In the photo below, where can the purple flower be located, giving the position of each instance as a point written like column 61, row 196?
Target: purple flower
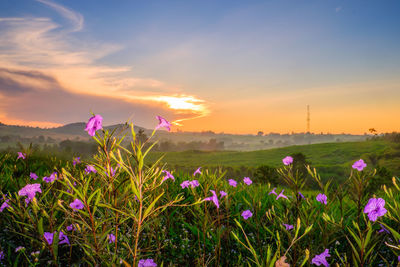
column 163, row 123
column 112, row 172
column 63, row 239
column 33, row 176
column 76, row 160
column 320, row 259
column 281, row 195
column 194, row 183
column 247, row 214
column 197, row 171
column 4, row 205
column 359, row 165
column 375, row 208
column 77, row 204
column 19, row 248
column 287, row 160
column 167, row 176
column 301, row 195
column 30, row 191
column 21, row 155
column 214, row 198
column 383, row 230
column 273, row 192
column 185, row 184
column 232, row 182
column 51, row 178
column 94, row 124
column 71, row 227
column 247, row 180
column 322, row 198
column 288, row 226
column 222, row 193
column 111, row 238
column 89, row 169
column 49, row 237
column 147, row 263
column 1, row 255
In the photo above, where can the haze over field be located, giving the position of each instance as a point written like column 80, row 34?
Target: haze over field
column 224, row 66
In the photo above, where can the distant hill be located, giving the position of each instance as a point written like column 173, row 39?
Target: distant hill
column 176, row 141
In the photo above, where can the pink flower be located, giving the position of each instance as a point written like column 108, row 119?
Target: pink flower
column 375, row 208
column 273, row 192
column 111, row 238
column 185, row 184
column 197, row 171
column 247, row 180
column 33, row 176
column 89, row 169
column 288, row 226
column 214, row 198
column 222, row 193
column 147, row 263
column 94, row 124
column 4, row 205
column 21, row 155
column 30, row 191
column 281, row 195
column 232, row 182
column 76, row 160
column 71, row 227
column 163, row 123
column 359, row 165
column 320, row 259
column 322, row 198
column 167, row 176
column 49, row 237
column 63, row 239
column 287, row 160
column 247, row 214
column 194, row 183
column 77, row 204
column 51, row 178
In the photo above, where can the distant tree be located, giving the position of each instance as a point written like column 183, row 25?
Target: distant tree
column 299, row 164
column 260, row 133
column 266, row 174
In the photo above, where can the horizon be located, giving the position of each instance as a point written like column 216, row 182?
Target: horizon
column 227, row 66
column 206, row 131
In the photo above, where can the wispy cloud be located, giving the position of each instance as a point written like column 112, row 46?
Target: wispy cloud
column 39, row 55
column 74, row 17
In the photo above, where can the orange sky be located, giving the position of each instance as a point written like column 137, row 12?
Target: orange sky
column 239, row 69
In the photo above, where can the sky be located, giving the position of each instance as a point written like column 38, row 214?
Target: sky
column 226, row 66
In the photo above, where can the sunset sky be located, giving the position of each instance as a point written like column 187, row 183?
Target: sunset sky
column 226, row 66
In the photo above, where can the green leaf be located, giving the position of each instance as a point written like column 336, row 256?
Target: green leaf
column 150, row 207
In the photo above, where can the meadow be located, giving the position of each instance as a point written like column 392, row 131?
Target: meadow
column 128, row 206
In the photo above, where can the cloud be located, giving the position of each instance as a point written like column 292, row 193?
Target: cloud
column 44, row 62
column 31, row 103
column 74, row 17
column 338, row 9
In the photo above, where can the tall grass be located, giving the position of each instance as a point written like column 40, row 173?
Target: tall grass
column 131, row 213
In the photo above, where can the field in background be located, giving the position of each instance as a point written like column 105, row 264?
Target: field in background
column 327, row 154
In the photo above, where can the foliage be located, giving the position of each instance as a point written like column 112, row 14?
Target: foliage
column 131, row 212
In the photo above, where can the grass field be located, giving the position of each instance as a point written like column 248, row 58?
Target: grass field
column 318, row 154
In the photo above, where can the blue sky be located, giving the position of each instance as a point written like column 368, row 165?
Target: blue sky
column 213, row 64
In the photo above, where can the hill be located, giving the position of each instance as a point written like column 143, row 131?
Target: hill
column 326, row 154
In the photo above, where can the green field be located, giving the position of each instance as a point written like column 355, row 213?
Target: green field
column 326, row 154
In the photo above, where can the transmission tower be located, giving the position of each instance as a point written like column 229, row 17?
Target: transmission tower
column 308, row 118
